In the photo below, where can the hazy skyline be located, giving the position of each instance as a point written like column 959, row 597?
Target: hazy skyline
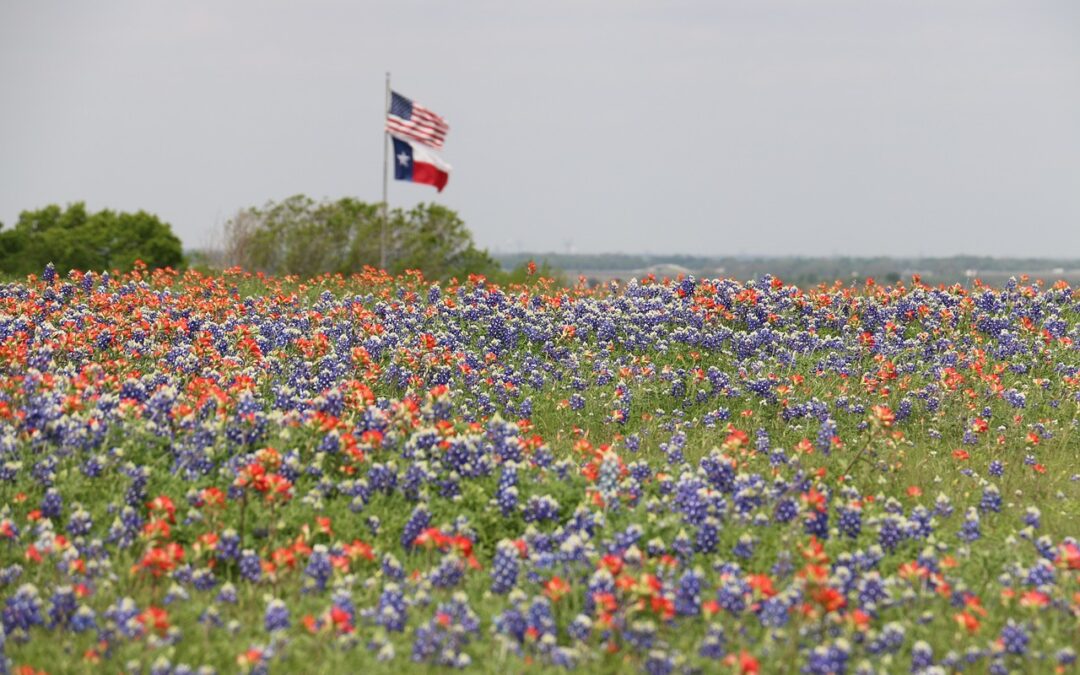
column 751, row 127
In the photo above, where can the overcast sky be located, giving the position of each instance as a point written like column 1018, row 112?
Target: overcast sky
column 813, row 127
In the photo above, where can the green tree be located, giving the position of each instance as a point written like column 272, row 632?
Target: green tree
column 306, row 237
column 73, row 238
column 434, row 239
column 301, row 236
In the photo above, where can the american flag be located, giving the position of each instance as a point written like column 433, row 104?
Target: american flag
column 412, row 120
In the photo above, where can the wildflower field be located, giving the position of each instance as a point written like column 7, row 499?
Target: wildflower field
column 235, row 473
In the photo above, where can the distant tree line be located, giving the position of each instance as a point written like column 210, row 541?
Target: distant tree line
column 805, row 270
column 298, row 236
column 305, row 237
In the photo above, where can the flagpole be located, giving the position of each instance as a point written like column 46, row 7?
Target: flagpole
column 385, row 179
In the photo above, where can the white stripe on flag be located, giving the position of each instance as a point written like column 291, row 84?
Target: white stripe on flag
column 427, row 156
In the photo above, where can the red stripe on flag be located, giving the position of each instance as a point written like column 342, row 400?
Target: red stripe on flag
column 417, row 132
column 429, row 174
column 425, row 116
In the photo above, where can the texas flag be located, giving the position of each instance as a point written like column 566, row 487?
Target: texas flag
column 417, row 163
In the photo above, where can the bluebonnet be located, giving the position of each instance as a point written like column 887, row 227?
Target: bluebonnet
column 276, row 617
column 970, row 530
column 392, row 611
column 688, row 593
column 319, row 568
column 22, row 611
column 922, row 656
column 991, row 499
column 416, row 524
column 504, row 567
column 250, row 566
column 1014, row 638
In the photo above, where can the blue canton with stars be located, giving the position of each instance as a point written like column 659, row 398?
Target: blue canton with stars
column 400, row 106
column 403, row 160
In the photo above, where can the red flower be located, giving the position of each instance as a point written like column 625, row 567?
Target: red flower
column 613, row 563
column 164, row 504
column 556, row 588
column 250, row 657
column 156, row 619
column 814, row 552
column 212, row 496
column 748, row 665
column 1034, row 599
column 814, row 499
column 967, row 622
column 324, row 525
column 155, row 529
column 859, row 619
column 762, row 584
column 341, row 619
column 161, row 560
column 606, row 601
column 664, row 607
column 277, row 486
column 830, row 599
column 884, row 415
column 359, row 549
column 1068, row 556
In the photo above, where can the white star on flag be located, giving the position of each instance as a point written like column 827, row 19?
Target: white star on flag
column 403, row 159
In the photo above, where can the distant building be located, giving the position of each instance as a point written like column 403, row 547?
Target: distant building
column 666, row 270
